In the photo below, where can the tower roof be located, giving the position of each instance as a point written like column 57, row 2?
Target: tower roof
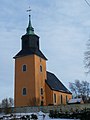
column 30, row 42
column 27, row 52
column 30, row 29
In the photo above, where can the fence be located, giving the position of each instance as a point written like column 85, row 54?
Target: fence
column 46, row 109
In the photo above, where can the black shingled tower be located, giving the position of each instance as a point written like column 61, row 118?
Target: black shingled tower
column 30, row 43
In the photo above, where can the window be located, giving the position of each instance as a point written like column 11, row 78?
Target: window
column 41, row 91
column 24, row 92
column 61, row 99
column 40, row 68
column 41, row 103
column 24, row 68
column 54, row 98
column 66, row 99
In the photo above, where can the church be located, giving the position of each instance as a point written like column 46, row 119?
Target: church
column 33, row 84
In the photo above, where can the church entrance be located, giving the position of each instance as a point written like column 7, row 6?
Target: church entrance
column 41, row 103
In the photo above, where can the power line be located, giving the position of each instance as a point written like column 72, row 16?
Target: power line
column 87, row 3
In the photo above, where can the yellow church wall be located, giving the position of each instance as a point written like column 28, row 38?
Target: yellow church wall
column 32, row 79
column 65, row 97
column 50, row 97
column 24, row 80
column 49, row 94
column 40, row 77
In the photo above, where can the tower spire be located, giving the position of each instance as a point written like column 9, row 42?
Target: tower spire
column 30, row 29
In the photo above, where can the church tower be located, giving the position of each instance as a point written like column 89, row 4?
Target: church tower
column 30, row 71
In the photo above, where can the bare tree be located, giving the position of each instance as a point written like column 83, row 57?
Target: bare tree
column 87, row 57
column 80, row 89
column 6, row 104
column 11, row 102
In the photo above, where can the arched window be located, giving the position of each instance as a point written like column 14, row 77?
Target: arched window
column 66, row 99
column 24, row 68
column 41, row 91
column 40, row 68
column 41, row 103
column 54, row 98
column 61, row 99
column 24, row 92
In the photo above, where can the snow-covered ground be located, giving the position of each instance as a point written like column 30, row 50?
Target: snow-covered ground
column 47, row 118
column 40, row 116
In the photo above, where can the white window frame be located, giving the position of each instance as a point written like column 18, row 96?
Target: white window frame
column 23, row 69
column 41, row 91
column 54, row 98
column 61, row 99
column 22, row 91
column 41, row 69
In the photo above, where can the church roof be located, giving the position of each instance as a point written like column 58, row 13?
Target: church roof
column 55, row 84
column 25, row 52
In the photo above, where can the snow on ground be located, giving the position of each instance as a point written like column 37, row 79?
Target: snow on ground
column 39, row 114
column 47, row 118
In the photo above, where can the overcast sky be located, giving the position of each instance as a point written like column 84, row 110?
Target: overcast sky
column 63, row 27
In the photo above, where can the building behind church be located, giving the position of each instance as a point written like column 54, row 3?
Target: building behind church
column 34, row 85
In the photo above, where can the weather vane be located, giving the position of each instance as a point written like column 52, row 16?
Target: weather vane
column 29, row 10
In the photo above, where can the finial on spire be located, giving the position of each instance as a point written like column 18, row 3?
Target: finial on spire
column 29, row 10
column 30, row 29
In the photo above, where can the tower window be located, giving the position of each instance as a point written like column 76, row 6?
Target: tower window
column 40, row 68
column 24, row 68
column 41, row 91
column 24, row 92
column 54, row 98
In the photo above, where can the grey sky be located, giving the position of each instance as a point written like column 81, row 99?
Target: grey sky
column 63, row 27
